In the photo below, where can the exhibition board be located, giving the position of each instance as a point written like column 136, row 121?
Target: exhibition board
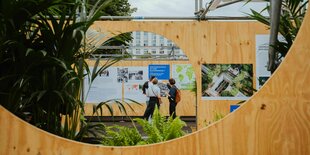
column 275, row 120
column 215, row 42
column 127, row 90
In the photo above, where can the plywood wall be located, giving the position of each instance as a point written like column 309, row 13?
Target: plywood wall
column 275, row 121
column 202, row 42
column 187, row 106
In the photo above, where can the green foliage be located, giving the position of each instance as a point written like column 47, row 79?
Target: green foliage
column 293, row 12
column 36, row 68
column 158, row 130
column 218, row 116
column 117, row 8
column 226, row 93
column 119, row 102
column 161, row 130
column 120, row 40
column 42, row 63
column 206, row 80
column 121, row 136
column 194, row 87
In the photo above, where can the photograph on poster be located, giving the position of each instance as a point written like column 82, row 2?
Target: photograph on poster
column 104, row 87
column 106, row 76
column 104, row 73
column 122, row 75
column 184, row 76
column 136, row 75
column 133, row 91
column 163, row 88
column 227, row 81
column 262, row 80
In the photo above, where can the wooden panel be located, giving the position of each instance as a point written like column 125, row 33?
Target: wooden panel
column 275, row 121
column 202, row 42
column 187, row 106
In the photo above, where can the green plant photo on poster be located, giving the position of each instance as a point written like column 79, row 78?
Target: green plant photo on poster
column 227, row 81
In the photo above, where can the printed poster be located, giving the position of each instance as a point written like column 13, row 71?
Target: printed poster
column 184, row 76
column 162, row 72
column 104, row 87
column 133, row 84
column 262, row 47
column 227, row 81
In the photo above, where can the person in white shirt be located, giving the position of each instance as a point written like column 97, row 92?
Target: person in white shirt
column 145, row 87
column 153, row 92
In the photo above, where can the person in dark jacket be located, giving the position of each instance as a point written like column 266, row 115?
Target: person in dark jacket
column 171, row 96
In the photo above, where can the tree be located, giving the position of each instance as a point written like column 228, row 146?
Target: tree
column 116, row 8
column 43, row 64
column 226, row 93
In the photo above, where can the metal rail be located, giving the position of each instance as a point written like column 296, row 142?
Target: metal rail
column 173, row 18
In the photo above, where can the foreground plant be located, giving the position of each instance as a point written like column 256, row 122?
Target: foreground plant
column 42, row 63
column 158, row 130
column 292, row 15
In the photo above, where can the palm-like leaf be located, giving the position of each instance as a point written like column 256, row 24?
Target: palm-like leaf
column 118, row 102
column 42, row 67
column 293, row 12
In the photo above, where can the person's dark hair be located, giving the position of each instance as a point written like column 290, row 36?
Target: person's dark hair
column 171, row 81
column 151, row 78
column 155, row 81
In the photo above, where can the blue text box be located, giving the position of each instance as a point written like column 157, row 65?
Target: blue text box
column 162, row 72
column 234, row 107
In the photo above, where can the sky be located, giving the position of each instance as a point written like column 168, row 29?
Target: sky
column 185, row 8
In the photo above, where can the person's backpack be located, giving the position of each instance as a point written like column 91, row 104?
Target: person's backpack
column 145, row 86
column 177, row 96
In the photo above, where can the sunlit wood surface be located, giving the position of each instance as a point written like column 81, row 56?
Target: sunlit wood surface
column 275, row 121
column 202, row 42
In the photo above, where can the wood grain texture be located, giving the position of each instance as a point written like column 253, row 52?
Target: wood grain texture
column 187, row 106
column 202, row 42
column 275, row 121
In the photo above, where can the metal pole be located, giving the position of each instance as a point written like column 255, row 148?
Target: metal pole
column 203, row 14
column 274, row 27
column 214, row 4
column 146, row 18
column 168, row 18
column 200, row 5
column 229, row 3
column 196, row 6
column 172, row 18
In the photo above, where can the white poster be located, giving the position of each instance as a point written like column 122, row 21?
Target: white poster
column 184, row 76
column 262, row 46
column 134, row 79
column 104, row 87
